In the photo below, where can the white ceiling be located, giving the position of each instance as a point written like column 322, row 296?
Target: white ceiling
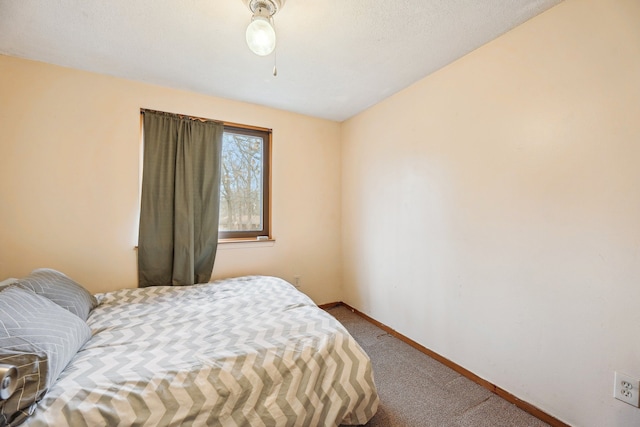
column 335, row 57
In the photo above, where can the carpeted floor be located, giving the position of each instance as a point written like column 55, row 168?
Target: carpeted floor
column 417, row 391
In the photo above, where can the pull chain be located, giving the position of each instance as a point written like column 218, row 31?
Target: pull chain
column 275, row 51
column 275, row 68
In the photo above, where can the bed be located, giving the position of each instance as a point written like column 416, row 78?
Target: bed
column 248, row 351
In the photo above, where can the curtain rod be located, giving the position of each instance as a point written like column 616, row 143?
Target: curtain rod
column 203, row 119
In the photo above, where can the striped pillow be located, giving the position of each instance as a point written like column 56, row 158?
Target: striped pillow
column 60, row 289
column 39, row 338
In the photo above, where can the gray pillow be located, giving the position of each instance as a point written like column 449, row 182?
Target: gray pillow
column 39, row 338
column 60, row 289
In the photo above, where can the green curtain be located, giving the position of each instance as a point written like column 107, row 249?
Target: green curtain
column 179, row 210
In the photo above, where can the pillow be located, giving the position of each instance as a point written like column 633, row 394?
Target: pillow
column 61, row 290
column 39, row 338
column 7, row 282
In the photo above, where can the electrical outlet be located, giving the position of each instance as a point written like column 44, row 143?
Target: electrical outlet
column 296, row 281
column 627, row 389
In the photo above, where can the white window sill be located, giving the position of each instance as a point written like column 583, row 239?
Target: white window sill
column 224, row 244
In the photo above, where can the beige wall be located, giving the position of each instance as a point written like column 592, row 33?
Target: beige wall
column 69, row 159
column 491, row 211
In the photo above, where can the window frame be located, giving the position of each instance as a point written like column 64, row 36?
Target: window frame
column 264, row 234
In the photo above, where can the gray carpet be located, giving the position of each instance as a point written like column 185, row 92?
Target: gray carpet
column 416, row 390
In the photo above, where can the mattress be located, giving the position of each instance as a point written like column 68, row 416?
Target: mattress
column 249, row 351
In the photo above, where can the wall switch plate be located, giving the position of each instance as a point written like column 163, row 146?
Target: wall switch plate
column 627, row 389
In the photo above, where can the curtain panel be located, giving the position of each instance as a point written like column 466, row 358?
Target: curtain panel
column 179, row 209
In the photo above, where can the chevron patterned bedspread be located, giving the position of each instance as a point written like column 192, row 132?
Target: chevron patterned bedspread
column 250, row 351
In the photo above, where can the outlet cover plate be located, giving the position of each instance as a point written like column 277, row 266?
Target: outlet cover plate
column 627, row 389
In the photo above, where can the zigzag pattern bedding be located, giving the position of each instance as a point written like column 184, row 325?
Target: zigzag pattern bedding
column 250, row 351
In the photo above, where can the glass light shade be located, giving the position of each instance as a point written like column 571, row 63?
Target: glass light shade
column 261, row 37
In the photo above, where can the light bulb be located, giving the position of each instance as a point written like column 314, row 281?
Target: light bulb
column 261, row 37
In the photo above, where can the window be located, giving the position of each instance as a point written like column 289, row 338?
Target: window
column 244, row 183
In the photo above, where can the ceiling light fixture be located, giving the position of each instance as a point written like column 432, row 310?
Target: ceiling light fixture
column 261, row 36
